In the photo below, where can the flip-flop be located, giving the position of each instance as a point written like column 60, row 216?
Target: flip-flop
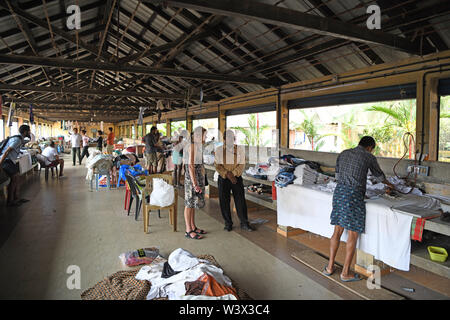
column 199, row 231
column 355, row 278
column 325, row 272
column 196, row 237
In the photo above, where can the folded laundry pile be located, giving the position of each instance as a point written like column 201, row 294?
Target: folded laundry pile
column 299, row 171
column 183, row 274
column 305, row 175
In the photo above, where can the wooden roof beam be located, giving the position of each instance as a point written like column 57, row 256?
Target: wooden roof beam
column 253, row 10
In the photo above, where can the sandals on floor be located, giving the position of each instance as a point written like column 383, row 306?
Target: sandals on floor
column 196, row 237
column 199, row 231
column 325, row 272
column 355, row 278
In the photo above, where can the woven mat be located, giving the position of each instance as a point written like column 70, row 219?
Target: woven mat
column 122, row 285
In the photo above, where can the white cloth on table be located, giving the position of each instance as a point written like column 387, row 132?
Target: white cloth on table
column 387, row 232
column 25, row 163
column 190, row 269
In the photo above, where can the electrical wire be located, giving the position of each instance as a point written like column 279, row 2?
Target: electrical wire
column 407, row 143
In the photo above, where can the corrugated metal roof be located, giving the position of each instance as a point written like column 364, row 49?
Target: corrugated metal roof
column 238, row 47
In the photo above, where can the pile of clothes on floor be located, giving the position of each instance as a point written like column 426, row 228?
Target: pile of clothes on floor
column 182, row 276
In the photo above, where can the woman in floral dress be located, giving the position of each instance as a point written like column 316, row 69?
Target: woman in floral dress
column 194, row 182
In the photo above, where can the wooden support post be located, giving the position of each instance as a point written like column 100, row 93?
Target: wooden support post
column 289, row 231
column 222, row 124
column 433, row 105
column 365, row 261
column 283, row 126
column 168, row 128
column 421, row 118
column 189, row 125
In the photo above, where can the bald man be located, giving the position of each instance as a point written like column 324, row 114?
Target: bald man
column 230, row 163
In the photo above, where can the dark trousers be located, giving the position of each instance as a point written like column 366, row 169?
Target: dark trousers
column 85, row 152
column 76, row 151
column 225, row 188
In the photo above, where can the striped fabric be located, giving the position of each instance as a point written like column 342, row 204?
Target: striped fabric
column 349, row 209
column 417, row 226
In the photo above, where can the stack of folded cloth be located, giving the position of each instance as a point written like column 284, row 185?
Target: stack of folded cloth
column 305, row 175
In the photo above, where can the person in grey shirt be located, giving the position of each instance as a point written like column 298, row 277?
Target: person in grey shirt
column 349, row 209
column 8, row 164
column 151, row 148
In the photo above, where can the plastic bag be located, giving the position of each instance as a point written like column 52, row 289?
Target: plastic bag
column 139, row 256
column 163, row 193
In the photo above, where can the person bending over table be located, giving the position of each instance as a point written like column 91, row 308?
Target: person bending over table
column 51, row 154
column 8, row 164
column 230, row 164
column 349, row 209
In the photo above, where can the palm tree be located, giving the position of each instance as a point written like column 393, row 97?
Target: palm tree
column 348, row 126
column 401, row 116
column 253, row 132
column 311, row 129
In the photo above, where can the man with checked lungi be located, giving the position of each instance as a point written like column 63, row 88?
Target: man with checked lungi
column 349, row 209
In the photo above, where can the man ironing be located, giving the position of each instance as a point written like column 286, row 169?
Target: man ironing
column 349, row 209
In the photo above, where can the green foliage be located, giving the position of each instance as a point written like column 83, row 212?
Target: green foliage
column 176, row 126
column 252, row 134
column 310, row 127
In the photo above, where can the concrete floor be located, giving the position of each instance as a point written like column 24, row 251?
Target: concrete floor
column 65, row 224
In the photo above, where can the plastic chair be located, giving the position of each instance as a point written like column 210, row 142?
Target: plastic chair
column 51, row 167
column 127, row 196
column 135, row 193
column 148, row 207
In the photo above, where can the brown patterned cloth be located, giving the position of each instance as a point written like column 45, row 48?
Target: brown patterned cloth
column 194, row 288
column 122, row 285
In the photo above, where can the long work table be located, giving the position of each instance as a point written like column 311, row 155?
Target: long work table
column 387, row 234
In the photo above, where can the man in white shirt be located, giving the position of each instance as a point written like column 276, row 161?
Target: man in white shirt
column 76, row 145
column 51, row 154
